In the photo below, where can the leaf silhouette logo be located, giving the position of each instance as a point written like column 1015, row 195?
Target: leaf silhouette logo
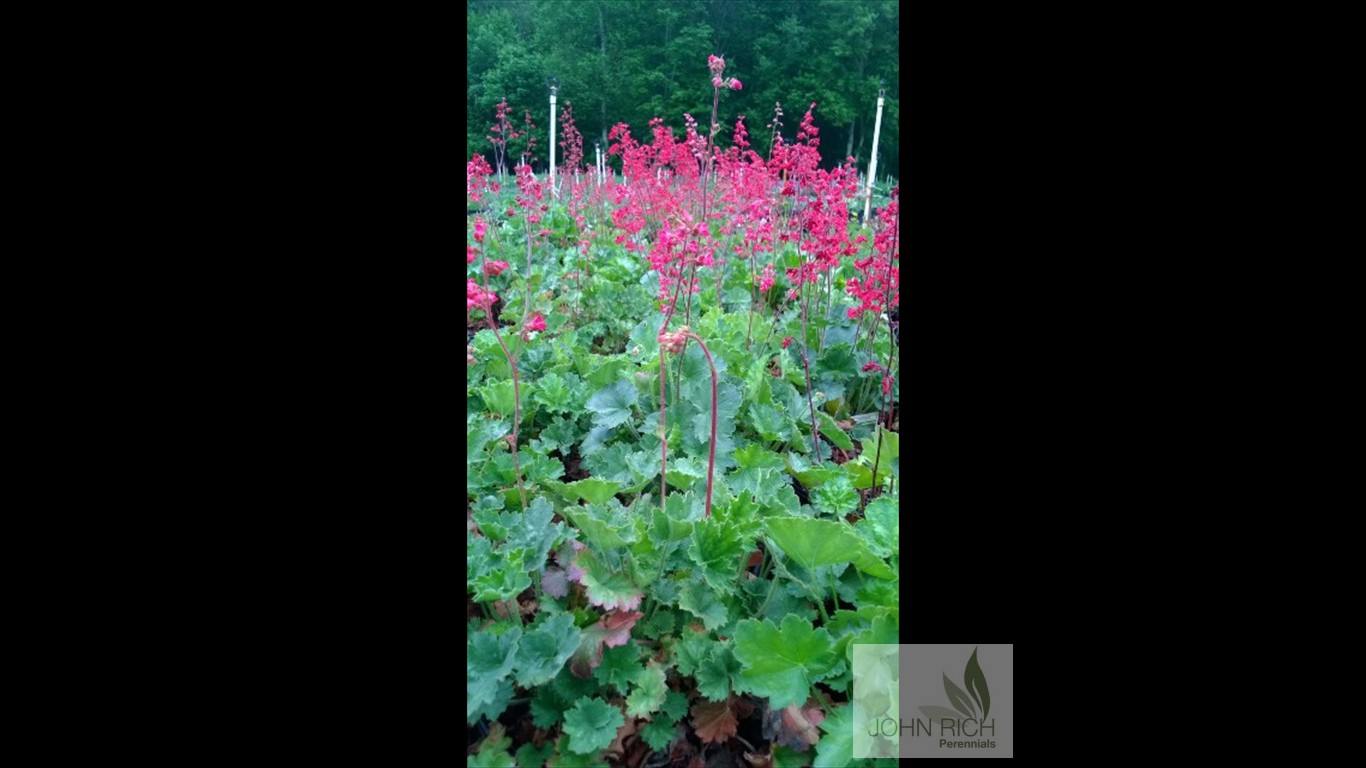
column 976, row 683
column 958, row 699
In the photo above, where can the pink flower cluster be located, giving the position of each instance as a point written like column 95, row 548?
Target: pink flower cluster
column 879, row 287
column 673, row 342
column 766, row 282
column 476, row 297
column 495, row 268
column 477, row 171
column 479, row 229
column 536, row 323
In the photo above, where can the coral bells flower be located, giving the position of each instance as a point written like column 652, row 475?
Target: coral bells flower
column 536, row 323
column 716, row 82
column 734, row 84
column 673, row 342
column 766, row 282
column 871, row 366
column 476, row 297
column 716, row 64
column 469, row 254
column 478, row 229
column 786, row 342
column 495, row 268
column 886, row 385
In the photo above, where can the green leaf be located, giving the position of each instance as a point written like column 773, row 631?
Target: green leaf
column 594, row 490
column 500, row 397
column 684, row 471
column 619, row 666
column 812, row 476
column 559, row 393
column 836, row 360
column 836, row 497
column 786, row 757
column 760, row 482
column 770, row 423
column 691, row 650
column 610, row 463
column 504, row 578
column 608, row 588
column 836, row 747
column 490, row 659
column 675, row 705
column 538, row 468
column 612, row 405
column 545, row 649
column 604, row 526
column 659, row 734
column 607, row 371
column 662, row 623
column 698, row 599
column 976, row 682
column 529, row 756
column 548, row 707
column 563, row 433
column 755, row 455
column 881, row 527
column 479, row 433
column 716, row 675
column 832, row 431
column 477, row 557
column 496, row 705
column 781, row 663
column 648, row 694
column 493, row 753
column 644, row 465
column 813, row 543
column 861, row 468
column 592, row 725
column 717, row 550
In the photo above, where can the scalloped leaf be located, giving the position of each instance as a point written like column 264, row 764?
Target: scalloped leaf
column 607, row 588
column 594, row 490
column 490, row 660
column 612, row 405
column 591, row 725
column 813, row 543
column 545, row 648
column 782, row 662
column 836, row 497
column 717, row 673
column 648, row 693
column 698, row 599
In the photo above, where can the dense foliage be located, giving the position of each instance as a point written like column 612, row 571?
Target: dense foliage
column 632, row 60
column 683, row 448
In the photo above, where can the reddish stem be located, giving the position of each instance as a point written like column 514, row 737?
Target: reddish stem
column 516, row 382
column 711, row 455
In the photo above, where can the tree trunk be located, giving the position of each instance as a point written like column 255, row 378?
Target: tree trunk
column 849, row 148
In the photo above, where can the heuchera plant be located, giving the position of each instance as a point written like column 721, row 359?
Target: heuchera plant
column 610, row 621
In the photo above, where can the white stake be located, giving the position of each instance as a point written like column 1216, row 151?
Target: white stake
column 553, row 89
column 872, row 164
